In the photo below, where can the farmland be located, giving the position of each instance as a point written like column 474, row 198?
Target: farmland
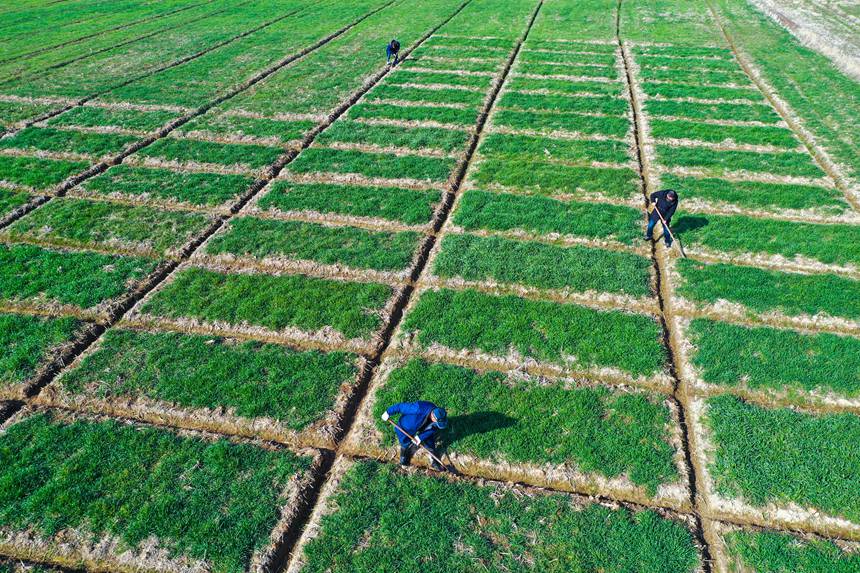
column 232, row 235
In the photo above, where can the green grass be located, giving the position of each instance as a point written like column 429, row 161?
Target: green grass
column 251, row 378
column 27, row 342
column 574, row 46
column 563, row 334
column 38, row 173
column 487, row 45
column 763, row 290
column 707, row 77
column 798, row 164
column 571, row 150
column 576, row 268
column 720, row 111
column 524, row 420
column 759, row 195
column 772, row 552
column 593, row 125
column 12, row 112
column 324, row 160
column 831, row 244
column 10, row 200
column 429, row 96
column 30, row 273
column 273, row 302
column 80, row 222
column 223, row 124
column 515, row 82
column 447, row 115
column 542, row 69
column 185, row 150
column 782, row 456
column 572, row 57
column 546, row 177
column 504, row 212
column 685, row 51
column 204, row 189
column 349, row 246
column 754, row 135
column 56, row 140
column 467, row 527
column 449, row 140
column 106, row 478
column 126, row 118
column 407, row 77
column 701, row 92
column 771, row 359
column 459, row 65
column 405, row 205
column 607, row 105
column 649, row 61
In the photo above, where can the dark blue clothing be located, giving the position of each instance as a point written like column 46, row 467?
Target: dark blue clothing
column 662, row 202
column 392, row 51
column 652, row 222
column 415, row 420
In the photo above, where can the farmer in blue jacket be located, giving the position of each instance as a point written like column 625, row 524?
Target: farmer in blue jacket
column 392, row 49
column 421, row 420
column 666, row 201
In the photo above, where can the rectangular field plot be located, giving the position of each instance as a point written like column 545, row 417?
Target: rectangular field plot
column 703, row 77
column 693, row 52
column 807, row 242
column 620, row 441
column 802, row 366
column 28, row 343
column 714, row 111
column 237, row 128
column 527, row 55
column 408, row 206
column 12, row 112
column 686, row 63
column 609, row 126
column 546, row 216
column 212, row 383
column 67, row 222
column 774, row 552
column 464, row 117
column 123, row 118
column 567, row 337
column 728, row 93
column 37, row 174
column 164, row 186
column 766, row 291
column 83, row 282
column 292, row 306
column 575, row 268
column 11, row 200
column 555, row 149
column 64, row 141
column 604, row 105
column 385, row 166
column 756, row 195
column 726, row 134
column 760, row 459
column 559, row 179
column 516, row 83
column 444, row 64
column 280, row 242
column 131, row 487
column 567, row 70
column 191, row 152
column 417, row 138
column 425, row 95
column 367, row 510
column 718, row 162
column 446, row 78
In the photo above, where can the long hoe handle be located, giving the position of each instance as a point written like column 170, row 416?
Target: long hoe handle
column 666, row 225
column 422, row 446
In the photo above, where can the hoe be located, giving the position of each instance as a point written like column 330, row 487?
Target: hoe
column 448, row 467
column 674, row 238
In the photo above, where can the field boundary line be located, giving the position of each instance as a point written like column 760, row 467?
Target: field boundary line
column 644, row 153
column 818, row 153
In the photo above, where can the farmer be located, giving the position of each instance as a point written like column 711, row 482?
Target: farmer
column 666, row 201
column 392, row 49
column 421, row 420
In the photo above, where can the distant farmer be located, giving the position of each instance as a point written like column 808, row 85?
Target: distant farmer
column 422, row 421
column 665, row 202
column 392, row 49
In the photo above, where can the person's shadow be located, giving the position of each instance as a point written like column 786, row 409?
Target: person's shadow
column 466, row 425
column 689, row 223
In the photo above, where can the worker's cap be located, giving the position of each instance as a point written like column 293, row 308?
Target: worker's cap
column 441, row 417
column 672, row 194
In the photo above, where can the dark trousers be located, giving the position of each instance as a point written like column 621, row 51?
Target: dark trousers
column 388, row 53
column 652, row 222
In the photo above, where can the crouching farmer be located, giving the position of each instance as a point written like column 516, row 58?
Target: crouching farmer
column 666, row 202
column 392, row 50
column 422, row 421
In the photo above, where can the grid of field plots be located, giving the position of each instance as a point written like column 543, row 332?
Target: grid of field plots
column 231, row 236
